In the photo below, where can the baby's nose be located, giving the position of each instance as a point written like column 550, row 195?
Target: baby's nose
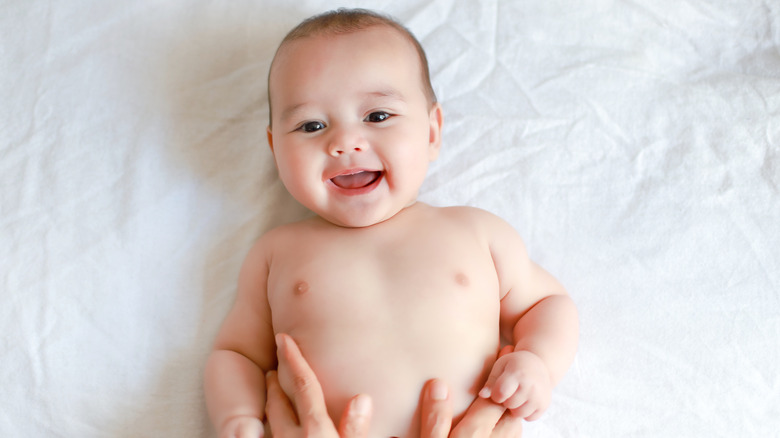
column 346, row 143
column 338, row 150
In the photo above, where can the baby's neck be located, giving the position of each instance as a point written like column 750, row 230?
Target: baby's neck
column 410, row 210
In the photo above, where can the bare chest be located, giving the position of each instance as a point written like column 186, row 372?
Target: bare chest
column 344, row 280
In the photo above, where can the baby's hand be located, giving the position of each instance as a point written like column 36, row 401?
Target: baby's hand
column 520, row 381
column 242, row 427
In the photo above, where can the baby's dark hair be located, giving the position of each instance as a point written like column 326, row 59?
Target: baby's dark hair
column 343, row 20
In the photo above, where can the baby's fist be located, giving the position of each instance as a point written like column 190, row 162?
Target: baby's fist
column 242, row 427
column 520, row 381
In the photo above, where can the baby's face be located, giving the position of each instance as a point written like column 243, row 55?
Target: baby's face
column 352, row 130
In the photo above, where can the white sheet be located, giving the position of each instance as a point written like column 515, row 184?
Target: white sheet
column 634, row 144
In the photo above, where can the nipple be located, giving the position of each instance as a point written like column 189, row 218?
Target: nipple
column 462, row 279
column 301, row 288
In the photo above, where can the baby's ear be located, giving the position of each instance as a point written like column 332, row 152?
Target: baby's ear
column 270, row 136
column 436, row 119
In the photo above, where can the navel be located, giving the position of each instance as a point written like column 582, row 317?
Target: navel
column 301, row 288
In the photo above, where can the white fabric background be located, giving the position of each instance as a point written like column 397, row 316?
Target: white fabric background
column 635, row 144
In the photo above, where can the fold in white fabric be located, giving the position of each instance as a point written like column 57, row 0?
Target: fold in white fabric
column 634, row 144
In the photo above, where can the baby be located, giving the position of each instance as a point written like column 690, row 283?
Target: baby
column 380, row 292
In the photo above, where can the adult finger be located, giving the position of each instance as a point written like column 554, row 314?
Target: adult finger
column 356, row 419
column 278, row 409
column 242, row 427
column 436, row 410
column 508, row 427
column 481, row 418
column 307, row 392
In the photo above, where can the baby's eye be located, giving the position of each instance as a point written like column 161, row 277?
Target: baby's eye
column 377, row 117
column 312, row 126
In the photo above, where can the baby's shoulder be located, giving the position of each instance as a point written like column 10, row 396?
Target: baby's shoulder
column 287, row 233
column 269, row 243
column 486, row 224
column 472, row 216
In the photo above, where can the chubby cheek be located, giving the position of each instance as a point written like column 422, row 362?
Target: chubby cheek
column 296, row 174
column 406, row 180
column 411, row 166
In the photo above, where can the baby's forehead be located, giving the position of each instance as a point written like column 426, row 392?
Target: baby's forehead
column 295, row 48
column 332, row 34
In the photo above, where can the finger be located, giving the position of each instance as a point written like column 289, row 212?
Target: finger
column 436, row 410
column 356, row 419
column 480, row 419
column 242, row 427
column 251, row 430
column 508, row 427
column 504, row 387
column 307, row 392
column 525, row 411
column 278, row 409
column 520, row 396
column 487, row 390
column 535, row 415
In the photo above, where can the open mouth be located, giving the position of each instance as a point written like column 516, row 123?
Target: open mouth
column 357, row 180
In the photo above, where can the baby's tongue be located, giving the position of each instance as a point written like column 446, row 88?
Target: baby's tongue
column 355, row 180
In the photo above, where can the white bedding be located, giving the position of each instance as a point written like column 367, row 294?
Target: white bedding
column 635, row 144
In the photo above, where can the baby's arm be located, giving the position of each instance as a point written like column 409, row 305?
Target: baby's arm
column 243, row 351
column 539, row 317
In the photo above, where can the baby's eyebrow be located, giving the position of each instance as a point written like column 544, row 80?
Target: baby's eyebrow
column 290, row 111
column 386, row 93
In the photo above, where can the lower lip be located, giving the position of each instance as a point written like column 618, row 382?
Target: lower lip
column 359, row 191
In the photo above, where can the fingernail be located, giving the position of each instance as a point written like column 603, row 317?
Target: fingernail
column 485, row 393
column 279, row 340
column 439, row 390
column 362, row 405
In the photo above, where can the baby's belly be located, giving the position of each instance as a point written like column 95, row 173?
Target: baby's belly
column 390, row 355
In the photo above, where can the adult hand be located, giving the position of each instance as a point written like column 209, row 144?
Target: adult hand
column 310, row 417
